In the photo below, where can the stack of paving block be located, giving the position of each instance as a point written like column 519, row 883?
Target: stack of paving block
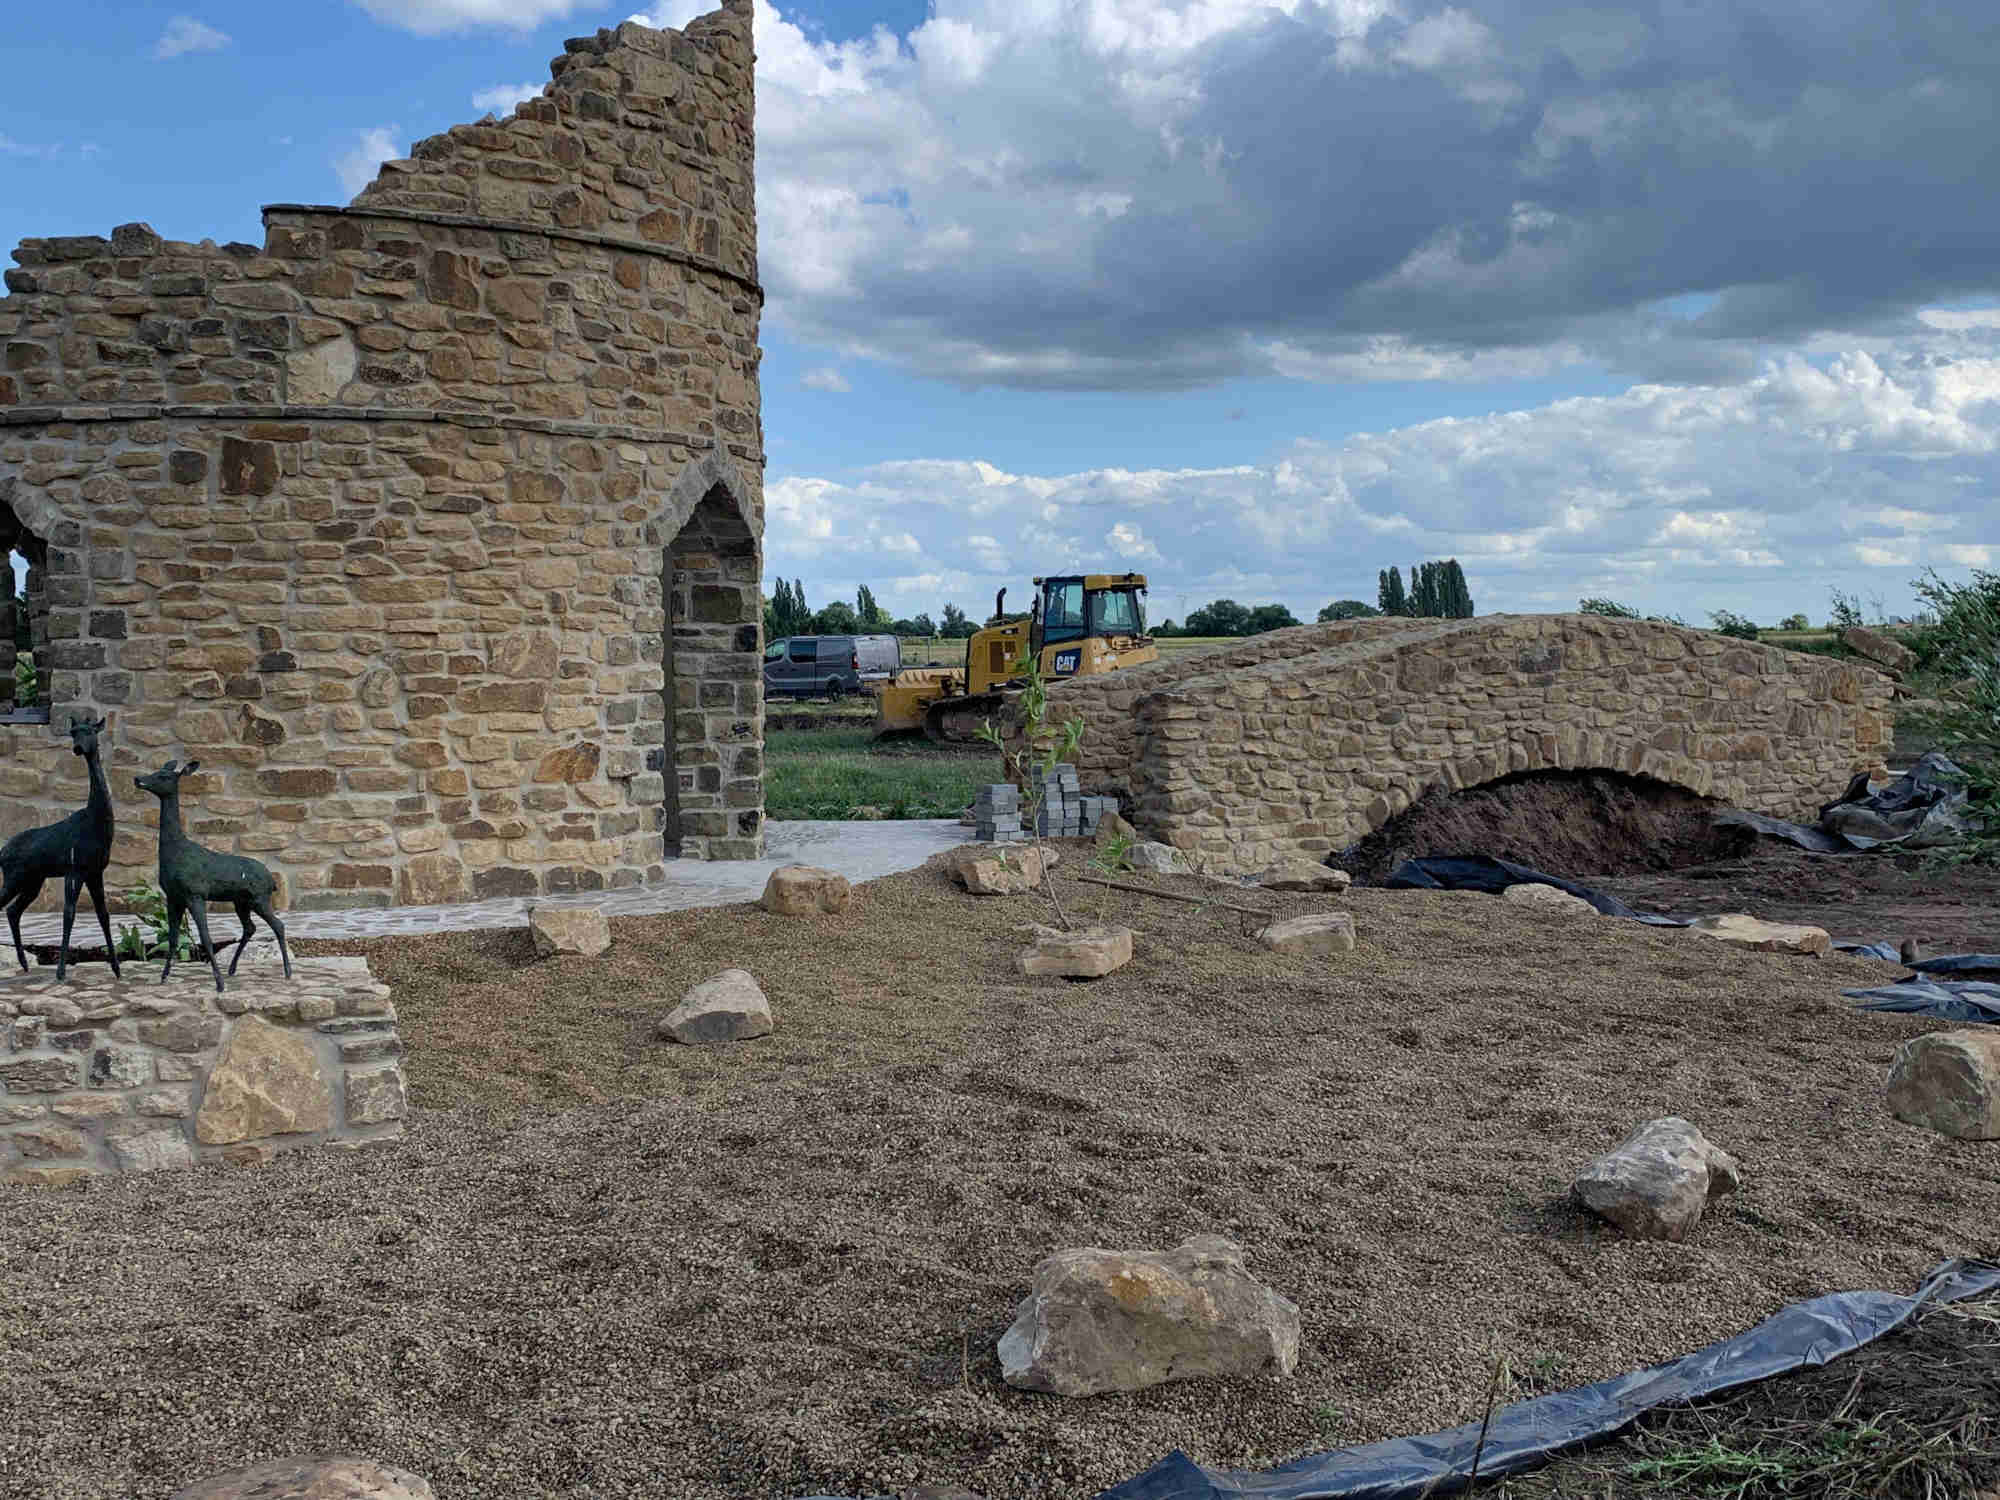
column 1061, row 813
column 996, row 814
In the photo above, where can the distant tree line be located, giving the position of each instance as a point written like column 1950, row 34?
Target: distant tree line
column 787, row 613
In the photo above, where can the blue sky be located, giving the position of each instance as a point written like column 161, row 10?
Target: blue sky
column 1693, row 306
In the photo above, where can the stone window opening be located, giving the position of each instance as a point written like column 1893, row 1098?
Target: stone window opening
column 712, row 671
column 24, row 624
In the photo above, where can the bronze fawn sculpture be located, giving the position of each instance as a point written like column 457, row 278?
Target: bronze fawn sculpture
column 191, row 877
column 78, row 848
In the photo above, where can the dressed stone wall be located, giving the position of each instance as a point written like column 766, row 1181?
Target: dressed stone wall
column 129, row 1075
column 1346, row 726
column 382, row 521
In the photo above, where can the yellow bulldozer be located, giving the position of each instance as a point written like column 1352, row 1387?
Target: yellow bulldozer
column 1080, row 625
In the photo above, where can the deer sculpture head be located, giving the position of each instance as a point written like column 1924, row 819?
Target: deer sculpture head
column 83, row 735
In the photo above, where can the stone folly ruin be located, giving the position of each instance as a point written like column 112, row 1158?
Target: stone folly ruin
column 432, row 527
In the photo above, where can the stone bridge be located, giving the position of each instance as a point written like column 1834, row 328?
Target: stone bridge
column 1307, row 740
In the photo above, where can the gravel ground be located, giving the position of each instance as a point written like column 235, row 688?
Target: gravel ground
column 605, row 1266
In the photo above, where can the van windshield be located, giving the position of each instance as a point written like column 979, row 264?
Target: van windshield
column 775, row 651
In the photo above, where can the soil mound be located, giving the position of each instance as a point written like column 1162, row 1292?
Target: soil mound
column 1570, row 823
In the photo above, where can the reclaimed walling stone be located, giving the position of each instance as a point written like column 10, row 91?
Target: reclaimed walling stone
column 1553, row 900
column 1157, row 859
column 987, row 871
column 1320, row 933
column 731, row 1007
column 1741, row 930
column 1658, row 1181
column 801, row 890
column 1112, row 1320
column 266, row 1082
column 1294, row 872
column 569, row 929
column 313, row 1478
column 1949, row 1081
column 1087, row 953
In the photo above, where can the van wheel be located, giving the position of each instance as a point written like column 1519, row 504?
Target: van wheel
column 835, row 690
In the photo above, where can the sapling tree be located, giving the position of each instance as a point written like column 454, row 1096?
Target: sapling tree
column 1042, row 747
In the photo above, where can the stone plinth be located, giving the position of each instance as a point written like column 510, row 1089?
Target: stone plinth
column 130, row 1075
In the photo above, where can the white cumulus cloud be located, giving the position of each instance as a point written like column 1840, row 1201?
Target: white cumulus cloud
column 355, row 165
column 505, row 98
column 185, row 34
column 1756, row 497
column 825, row 378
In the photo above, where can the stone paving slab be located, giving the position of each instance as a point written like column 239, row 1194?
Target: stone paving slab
column 860, row 851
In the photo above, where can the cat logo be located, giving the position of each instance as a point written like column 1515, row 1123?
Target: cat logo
column 1067, row 662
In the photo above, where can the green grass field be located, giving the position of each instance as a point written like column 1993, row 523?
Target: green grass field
column 829, row 773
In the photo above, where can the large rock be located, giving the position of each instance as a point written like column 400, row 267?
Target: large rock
column 1111, row 1320
column 317, row 1478
column 1320, row 933
column 1657, row 1182
column 986, row 870
column 1883, row 650
column 1112, row 828
column 1297, row 873
column 1548, row 898
column 266, row 1082
column 728, row 1008
column 1949, row 1081
column 1157, row 859
column 1087, row 953
column 801, row 890
column 1741, row 930
column 569, row 929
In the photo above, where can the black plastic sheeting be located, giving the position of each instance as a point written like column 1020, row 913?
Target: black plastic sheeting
column 1948, row 1000
column 1482, row 872
column 1921, row 809
column 1521, row 1436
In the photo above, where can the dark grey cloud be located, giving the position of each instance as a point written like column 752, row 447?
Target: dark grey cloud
column 1108, row 194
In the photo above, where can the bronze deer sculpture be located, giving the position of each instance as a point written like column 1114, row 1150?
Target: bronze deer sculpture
column 78, row 848
column 192, row 876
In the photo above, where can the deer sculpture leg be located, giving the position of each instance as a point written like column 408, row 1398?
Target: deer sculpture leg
column 198, row 909
column 249, row 927
column 263, row 909
column 94, row 882
column 16, row 898
column 72, row 888
column 174, row 910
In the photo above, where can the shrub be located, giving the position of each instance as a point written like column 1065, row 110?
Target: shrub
column 1964, row 719
column 1728, row 622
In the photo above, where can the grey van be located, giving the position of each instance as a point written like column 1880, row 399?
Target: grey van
column 831, row 666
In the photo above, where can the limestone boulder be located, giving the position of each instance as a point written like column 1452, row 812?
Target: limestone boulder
column 986, row 870
column 316, row 1478
column 1322, row 933
column 569, row 929
column 1112, row 828
column 1883, row 650
column 1087, row 953
column 1657, row 1182
column 1121, row 1320
column 1548, row 899
column 1949, row 1081
column 267, row 1081
column 1297, row 873
column 1157, row 859
column 802, row 890
column 1741, row 930
column 728, row 1008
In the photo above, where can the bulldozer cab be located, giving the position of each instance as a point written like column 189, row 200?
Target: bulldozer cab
column 1084, row 607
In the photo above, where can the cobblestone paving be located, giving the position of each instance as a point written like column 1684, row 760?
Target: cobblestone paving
column 860, row 851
